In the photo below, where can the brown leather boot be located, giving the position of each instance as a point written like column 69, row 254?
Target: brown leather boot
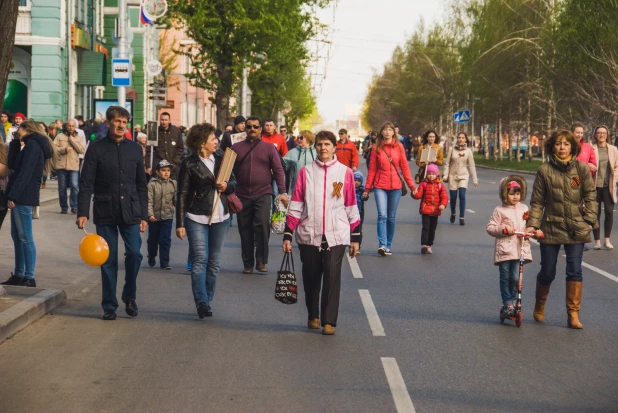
column 542, row 291
column 573, row 302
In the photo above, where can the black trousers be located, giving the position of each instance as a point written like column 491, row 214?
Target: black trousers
column 3, row 213
column 254, row 229
column 430, row 223
column 322, row 271
column 605, row 198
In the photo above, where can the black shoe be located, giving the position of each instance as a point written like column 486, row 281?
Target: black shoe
column 13, row 280
column 64, row 212
column 131, row 307
column 152, row 261
column 28, row 282
column 461, row 221
column 109, row 315
column 204, row 310
column 453, row 218
column 73, row 210
column 166, row 267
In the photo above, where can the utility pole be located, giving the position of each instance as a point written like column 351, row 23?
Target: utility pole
column 123, row 47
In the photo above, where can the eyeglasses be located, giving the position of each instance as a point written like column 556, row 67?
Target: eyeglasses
column 253, row 126
column 601, row 133
column 341, row 133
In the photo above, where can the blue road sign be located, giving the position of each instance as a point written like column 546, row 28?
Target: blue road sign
column 121, row 72
column 463, row 116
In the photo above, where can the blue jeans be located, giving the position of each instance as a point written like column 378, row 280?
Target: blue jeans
column 549, row 258
column 205, row 245
column 23, row 241
column 462, row 201
column 70, row 178
column 132, row 260
column 509, row 278
column 160, row 240
column 387, row 203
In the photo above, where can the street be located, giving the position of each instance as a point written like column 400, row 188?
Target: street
column 436, row 321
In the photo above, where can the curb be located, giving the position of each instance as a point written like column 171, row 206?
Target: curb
column 506, row 170
column 27, row 311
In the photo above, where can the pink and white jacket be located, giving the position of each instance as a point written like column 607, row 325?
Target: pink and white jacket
column 508, row 247
column 317, row 208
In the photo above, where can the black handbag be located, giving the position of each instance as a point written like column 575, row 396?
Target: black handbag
column 286, row 289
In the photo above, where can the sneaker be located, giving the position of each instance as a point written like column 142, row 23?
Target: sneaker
column 152, row 262
column 429, row 251
column 382, row 251
column 13, row 280
column 388, row 252
column 424, row 249
column 28, row 282
column 166, row 267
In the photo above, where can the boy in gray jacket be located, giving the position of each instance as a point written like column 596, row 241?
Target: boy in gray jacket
column 161, row 202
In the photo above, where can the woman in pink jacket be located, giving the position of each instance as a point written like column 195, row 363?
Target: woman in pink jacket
column 586, row 155
column 387, row 168
column 510, row 217
column 324, row 214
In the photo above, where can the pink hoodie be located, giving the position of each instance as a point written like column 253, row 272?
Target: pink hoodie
column 586, row 155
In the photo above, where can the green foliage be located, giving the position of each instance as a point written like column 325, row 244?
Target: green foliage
column 230, row 34
column 525, row 64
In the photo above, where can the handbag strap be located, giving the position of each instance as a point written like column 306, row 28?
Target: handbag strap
column 399, row 174
column 237, row 164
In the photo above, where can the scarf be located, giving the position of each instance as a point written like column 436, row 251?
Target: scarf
column 461, row 147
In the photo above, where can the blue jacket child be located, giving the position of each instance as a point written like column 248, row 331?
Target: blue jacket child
column 360, row 188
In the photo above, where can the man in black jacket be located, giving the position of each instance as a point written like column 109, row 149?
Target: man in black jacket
column 170, row 146
column 239, row 127
column 113, row 172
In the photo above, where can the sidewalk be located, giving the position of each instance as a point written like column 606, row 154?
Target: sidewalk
column 61, row 276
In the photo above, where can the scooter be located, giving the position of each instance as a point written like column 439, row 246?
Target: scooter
column 518, row 316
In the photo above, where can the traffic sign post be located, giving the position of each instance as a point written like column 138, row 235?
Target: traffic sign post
column 463, row 116
column 121, row 72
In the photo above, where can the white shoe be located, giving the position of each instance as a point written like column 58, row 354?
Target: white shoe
column 429, row 251
column 608, row 245
column 382, row 251
column 388, row 252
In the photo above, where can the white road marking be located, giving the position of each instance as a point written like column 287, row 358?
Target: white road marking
column 401, row 397
column 356, row 271
column 492, row 182
column 598, row 270
column 471, row 211
column 372, row 314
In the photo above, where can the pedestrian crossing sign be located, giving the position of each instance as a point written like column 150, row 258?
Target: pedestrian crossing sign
column 463, row 116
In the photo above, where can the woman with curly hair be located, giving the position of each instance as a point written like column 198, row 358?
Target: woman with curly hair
column 198, row 192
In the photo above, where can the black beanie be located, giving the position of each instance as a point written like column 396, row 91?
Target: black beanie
column 239, row 119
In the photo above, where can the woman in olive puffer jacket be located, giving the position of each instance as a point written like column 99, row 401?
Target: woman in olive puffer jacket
column 563, row 206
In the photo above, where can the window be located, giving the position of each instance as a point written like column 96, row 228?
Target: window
column 24, row 3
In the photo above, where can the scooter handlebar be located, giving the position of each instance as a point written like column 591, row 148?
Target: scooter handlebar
column 521, row 234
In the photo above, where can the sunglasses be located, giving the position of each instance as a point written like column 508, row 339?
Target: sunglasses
column 253, row 126
column 300, row 138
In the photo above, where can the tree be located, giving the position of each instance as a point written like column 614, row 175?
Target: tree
column 233, row 34
column 10, row 9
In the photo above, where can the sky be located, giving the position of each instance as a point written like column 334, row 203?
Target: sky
column 365, row 33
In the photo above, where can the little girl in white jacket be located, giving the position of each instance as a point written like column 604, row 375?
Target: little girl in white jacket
column 510, row 217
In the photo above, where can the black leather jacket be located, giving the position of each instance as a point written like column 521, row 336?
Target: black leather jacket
column 196, row 186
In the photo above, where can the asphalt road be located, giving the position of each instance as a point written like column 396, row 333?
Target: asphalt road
column 434, row 343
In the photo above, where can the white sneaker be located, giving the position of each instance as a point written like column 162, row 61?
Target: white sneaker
column 429, row 251
column 388, row 252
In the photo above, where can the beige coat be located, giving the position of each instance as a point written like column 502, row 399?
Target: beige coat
column 68, row 160
column 458, row 167
column 612, row 153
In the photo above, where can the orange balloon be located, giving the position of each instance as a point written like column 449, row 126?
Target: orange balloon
column 94, row 250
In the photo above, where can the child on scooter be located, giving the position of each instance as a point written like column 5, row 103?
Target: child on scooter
column 507, row 219
column 433, row 200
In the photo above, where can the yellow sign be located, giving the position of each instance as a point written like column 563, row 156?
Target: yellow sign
column 80, row 38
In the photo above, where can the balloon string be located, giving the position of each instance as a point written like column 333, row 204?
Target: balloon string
column 85, row 231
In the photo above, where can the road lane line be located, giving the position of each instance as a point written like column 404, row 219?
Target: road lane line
column 401, row 397
column 492, row 182
column 372, row 314
column 356, row 271
column 598, row 270
column 471, row 211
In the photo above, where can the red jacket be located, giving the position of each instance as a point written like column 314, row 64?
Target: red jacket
column 278, row 141
column 347, row 154
column 382, row 174
column 587, row 155
column 432, row 195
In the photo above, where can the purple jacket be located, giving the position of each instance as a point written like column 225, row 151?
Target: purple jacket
column 253, row 175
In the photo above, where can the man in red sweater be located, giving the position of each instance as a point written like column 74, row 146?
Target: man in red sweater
column 346, row 151
column 270, row 135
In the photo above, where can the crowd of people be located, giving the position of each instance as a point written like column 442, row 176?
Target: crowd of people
column 134, row 188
